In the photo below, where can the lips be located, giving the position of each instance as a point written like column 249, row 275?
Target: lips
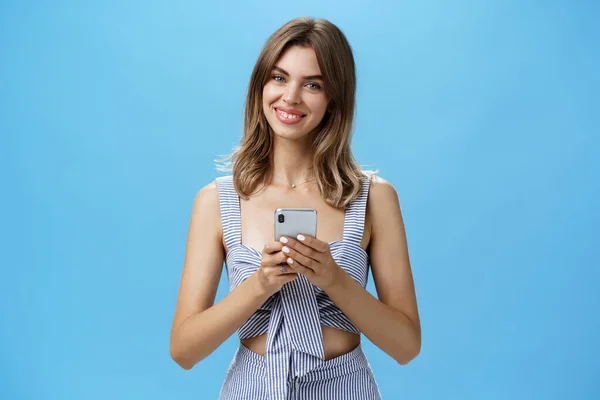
column 290, row 111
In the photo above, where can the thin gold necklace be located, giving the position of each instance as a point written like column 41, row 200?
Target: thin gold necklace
column 293, row 185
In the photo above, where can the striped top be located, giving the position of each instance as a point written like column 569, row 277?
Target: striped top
column 293, row 316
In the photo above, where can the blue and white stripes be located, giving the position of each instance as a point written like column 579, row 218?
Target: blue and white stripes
column 294, row 366
column 347, row 377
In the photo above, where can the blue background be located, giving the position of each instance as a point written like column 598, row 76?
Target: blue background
column 483, row 114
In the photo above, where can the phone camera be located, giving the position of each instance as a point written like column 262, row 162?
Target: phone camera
column 281, row 218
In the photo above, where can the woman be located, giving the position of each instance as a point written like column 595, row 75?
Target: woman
column 299, row 325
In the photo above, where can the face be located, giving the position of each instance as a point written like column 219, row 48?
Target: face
column 294, row 99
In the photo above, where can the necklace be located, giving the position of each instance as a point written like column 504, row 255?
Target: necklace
column 293, row 185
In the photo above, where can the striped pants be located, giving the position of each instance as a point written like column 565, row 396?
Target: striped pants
column 347, row 377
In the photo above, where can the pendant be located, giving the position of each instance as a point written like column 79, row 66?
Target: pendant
column 293, row 186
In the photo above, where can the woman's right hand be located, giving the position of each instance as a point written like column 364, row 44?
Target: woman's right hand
column 269, row 275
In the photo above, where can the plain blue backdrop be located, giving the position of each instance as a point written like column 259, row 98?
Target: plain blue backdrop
column 483, row 115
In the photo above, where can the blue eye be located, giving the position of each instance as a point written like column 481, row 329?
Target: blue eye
column 310, row 85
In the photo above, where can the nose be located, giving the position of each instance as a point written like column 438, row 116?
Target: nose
column 291, row 95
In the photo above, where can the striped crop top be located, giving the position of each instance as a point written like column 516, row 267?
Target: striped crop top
column 293, row 316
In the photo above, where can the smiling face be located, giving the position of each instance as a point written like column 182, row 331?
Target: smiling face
column 294, row 99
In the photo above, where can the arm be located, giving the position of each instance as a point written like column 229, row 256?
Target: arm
column 392, row 322
column 198, row 326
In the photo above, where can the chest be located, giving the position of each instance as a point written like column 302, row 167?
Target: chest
column 257, row 216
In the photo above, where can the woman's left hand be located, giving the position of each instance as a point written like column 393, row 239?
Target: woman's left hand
column 312, row 258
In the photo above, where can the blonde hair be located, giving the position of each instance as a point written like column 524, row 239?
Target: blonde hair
column 338, row 176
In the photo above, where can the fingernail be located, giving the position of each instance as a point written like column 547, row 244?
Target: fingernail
column 283, row 239
column 300, row 237
column 285, row 249
column 290, row 261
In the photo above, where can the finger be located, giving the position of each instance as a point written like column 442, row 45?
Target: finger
column 314, row 243
column 285, row 267
column 273, row 260
column 301, row 258
column 303, row 269
column 303, row 249
column 276, row 272
column 272, row 247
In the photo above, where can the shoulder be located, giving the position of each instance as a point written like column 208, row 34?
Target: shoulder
column 383, row 206
column 381, row 191
column 207, row 198
column 206, row 214
column 209, row 194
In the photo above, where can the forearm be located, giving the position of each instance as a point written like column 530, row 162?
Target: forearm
column 200, row 334
column 389, row 329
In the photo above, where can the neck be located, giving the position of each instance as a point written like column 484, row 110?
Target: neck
column 292, row 161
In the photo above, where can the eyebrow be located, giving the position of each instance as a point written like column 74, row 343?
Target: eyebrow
column 283, row 71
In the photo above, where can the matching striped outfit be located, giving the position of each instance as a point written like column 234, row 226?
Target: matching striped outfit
column 293, row 366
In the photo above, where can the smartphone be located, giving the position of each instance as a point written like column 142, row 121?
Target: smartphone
column 294, row 221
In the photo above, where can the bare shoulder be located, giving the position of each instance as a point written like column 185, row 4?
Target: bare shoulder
column 207, row 198
column 382, row 191
column 383, row 203
column 206, row 213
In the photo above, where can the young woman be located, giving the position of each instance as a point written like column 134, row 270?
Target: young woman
column 298, row 304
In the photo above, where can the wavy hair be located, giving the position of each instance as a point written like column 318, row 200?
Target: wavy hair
column 337, row 174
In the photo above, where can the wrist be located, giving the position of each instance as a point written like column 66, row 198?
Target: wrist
column 338, row 282
column 258, row 290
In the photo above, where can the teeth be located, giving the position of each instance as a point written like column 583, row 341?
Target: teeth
column 286, row 115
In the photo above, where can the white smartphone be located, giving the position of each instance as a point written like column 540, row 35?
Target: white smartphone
column 294, row 221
